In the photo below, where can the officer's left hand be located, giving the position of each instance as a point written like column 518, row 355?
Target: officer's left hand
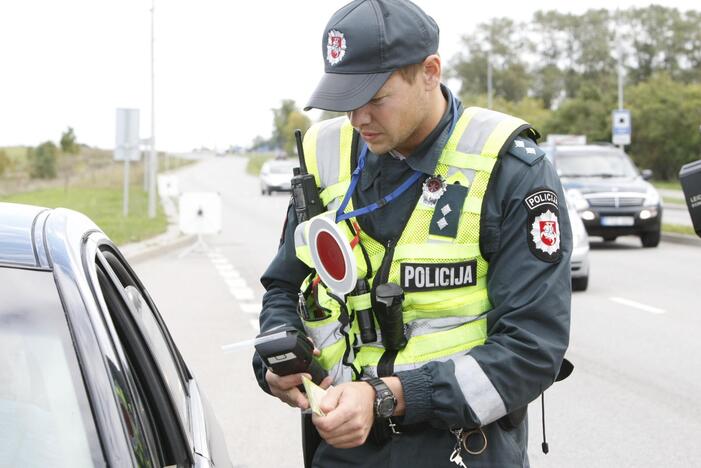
column 349, row 415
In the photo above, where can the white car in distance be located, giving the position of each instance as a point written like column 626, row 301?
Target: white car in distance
column 276, row 174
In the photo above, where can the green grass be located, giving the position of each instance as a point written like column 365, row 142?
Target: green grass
column 104, row 207
column 667, row 184
column 255, row 162
column 678, row 229
column 674, row 200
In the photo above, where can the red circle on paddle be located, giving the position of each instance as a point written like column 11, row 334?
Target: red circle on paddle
column 331, row 255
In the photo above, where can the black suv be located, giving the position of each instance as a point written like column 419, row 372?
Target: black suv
column 611, row 195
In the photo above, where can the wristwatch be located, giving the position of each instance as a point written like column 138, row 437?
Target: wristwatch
column 384, row 398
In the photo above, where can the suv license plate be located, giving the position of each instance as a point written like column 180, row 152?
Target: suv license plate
column 617, row 221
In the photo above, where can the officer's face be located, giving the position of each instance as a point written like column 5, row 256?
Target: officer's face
column 395, row 116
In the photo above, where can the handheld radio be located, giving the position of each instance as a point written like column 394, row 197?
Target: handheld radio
column 305, row 195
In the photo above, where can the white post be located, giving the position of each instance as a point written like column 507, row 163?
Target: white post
column 125, row 208
column 153, row 161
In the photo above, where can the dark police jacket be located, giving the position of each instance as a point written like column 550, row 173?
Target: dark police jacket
column 528, row 327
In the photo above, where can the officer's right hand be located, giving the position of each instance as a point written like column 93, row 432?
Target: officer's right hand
column 285, row 388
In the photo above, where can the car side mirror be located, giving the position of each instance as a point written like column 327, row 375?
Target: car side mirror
column 646, row 174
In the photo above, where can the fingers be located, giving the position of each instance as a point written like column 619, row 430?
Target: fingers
column 350, row 440
column 349, row 415
column 330, row 400
column 316, row 351
column 285, row 388
column 326, row 383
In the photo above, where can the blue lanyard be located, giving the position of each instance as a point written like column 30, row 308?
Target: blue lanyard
column 341, row 216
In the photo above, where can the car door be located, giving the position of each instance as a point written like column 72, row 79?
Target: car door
column 159, row 375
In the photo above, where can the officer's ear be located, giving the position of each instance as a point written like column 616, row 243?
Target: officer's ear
column 432, row 69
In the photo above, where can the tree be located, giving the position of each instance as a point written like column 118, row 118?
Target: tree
column 296, row 120
column 665, row 116
column 42, row 161
column 589, row 113
column 506, row 43
column 280, row 117
column 69, row 145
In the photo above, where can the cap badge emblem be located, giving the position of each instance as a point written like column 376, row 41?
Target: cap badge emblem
column 433, row 189
column 335, row 47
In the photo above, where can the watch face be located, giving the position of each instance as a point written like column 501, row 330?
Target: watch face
column 385, row 407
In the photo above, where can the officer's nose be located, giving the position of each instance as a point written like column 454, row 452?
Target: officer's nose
column 359, row 117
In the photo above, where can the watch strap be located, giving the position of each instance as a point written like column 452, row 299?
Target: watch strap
column 382, row 392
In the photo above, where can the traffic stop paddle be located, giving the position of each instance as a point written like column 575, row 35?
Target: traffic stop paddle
column 332, row 255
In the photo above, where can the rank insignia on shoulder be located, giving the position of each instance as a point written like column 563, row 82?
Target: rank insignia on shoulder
column 526, row 150
column 543, row 224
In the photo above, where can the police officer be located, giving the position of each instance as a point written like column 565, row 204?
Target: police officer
column 460, row 209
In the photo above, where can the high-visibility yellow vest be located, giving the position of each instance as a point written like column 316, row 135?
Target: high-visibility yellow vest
column 440, row 324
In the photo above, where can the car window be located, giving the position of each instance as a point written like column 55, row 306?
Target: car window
column 154, row 332
column 594, row 163
column 160, row 406
column 282, row 168
column 45, row 415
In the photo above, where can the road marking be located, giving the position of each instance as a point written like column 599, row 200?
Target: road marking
column 230, row 274
column 237, row 286
column 250, row 307
column 242, row 294
column 638, row 305
column 236, row 283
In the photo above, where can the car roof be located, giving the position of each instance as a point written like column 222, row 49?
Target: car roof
column 28, row 231
column 580, row 148
column 17, row 243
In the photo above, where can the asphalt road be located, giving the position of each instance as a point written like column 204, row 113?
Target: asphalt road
column 634, row 399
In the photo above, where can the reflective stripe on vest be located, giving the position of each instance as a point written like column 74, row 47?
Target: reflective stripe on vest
column 440, row 324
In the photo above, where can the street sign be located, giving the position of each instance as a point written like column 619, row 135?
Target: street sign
column 622, row 129
column 200, row 213
column 126, row 147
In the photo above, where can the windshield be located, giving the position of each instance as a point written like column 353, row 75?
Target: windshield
column 596, row 163
column 45, row 417
column 282, row 168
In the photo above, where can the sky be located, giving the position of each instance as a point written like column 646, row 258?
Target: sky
column 220, row 65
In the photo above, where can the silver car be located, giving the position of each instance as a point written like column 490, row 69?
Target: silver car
column 90, row 374
column 580, row 249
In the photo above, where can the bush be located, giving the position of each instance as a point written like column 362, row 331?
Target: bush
column 4, row 162
column 42, row 161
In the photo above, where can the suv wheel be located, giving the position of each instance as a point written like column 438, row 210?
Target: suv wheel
column 650, row 239
column 580, row 284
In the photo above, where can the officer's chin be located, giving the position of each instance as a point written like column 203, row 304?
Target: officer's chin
column 379, row 148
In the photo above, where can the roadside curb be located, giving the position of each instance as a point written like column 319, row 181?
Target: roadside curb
column 680, row 239
column 147, row 250
column 164, row 243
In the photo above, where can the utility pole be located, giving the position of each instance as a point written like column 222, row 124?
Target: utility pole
column 153, row 161
column 489, row 77
column 619, row 54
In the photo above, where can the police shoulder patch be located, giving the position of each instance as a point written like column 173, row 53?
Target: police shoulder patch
column 543, row 224
column 526, row 150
